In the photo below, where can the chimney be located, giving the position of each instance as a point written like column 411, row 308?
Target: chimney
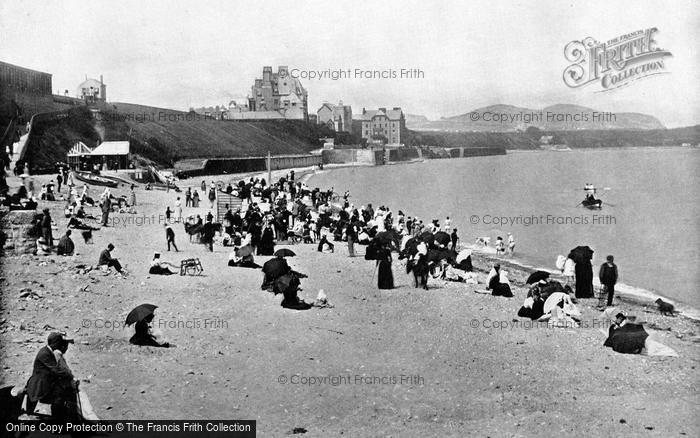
column 363, row 110
column 267, row 74
column 103, row 90
column 382, row 110
column 340, row 103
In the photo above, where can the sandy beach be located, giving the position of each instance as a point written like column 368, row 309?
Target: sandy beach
column 406, row 362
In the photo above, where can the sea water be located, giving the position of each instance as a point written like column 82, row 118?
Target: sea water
column 649, row 220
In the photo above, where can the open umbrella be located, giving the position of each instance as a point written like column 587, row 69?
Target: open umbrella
column 427, row 237
column 581, row 254
column 537, row 276
column 244, row 251
column 275, row 268
column 443, row 238
column 435, row 255
column 139, row 313
column 385, row 237
column 284, row 252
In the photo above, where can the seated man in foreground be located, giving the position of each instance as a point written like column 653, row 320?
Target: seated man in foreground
column 52, row 381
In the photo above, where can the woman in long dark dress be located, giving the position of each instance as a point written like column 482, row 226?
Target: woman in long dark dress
column 584, row 279
column 385, row 276
column 267, row 242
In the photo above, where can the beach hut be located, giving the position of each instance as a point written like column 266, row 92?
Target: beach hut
column 112, row 155
column 78, row 154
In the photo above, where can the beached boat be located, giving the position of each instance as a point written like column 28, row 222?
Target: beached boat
column 97, row 180
column 161, row 186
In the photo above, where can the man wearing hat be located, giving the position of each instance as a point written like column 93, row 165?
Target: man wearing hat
column 608, row 277
column 107, row 259
column 52, row 381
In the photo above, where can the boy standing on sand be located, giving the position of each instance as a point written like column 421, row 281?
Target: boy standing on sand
column 454, row 239
column 170, row 237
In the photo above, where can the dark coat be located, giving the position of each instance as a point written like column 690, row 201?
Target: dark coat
column 48, row 380
column 608, row 274
column 65, row 246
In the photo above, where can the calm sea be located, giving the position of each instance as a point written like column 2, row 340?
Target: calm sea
column 649, row 220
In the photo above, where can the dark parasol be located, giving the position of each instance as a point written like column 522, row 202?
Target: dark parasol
column 427, row 237
column 537, row 276
column 385, row 237
column 442, row 238
column 284, row 252
column 140, row 313
column 275, row 268
column 581, row 254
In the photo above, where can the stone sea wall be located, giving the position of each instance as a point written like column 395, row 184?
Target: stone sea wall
column 15, row 227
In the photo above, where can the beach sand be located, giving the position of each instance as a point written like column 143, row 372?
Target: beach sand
column 470, row 366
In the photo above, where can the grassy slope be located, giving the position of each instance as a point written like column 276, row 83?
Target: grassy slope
column 54, row 139
column 167, row 136
column 164, row 136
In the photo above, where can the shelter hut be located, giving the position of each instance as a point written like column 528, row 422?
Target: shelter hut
column 112, row 155
column 78, row 154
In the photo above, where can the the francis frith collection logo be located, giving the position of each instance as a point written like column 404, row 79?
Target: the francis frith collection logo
column 616, row 62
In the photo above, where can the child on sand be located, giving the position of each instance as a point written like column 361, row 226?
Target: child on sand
column 500, row 246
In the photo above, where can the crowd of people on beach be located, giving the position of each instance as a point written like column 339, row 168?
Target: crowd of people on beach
column 288, row 211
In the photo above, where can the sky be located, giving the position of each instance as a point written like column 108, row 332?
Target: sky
column 179, row 54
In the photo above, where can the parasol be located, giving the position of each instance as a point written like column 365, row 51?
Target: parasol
column 537, row 276
column 427, row 237
column 443, row 238
column 581, row 254
column 140, row 313
column 284, row 252
column 385, row 237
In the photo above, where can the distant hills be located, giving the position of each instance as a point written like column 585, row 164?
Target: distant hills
column 509, row 118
